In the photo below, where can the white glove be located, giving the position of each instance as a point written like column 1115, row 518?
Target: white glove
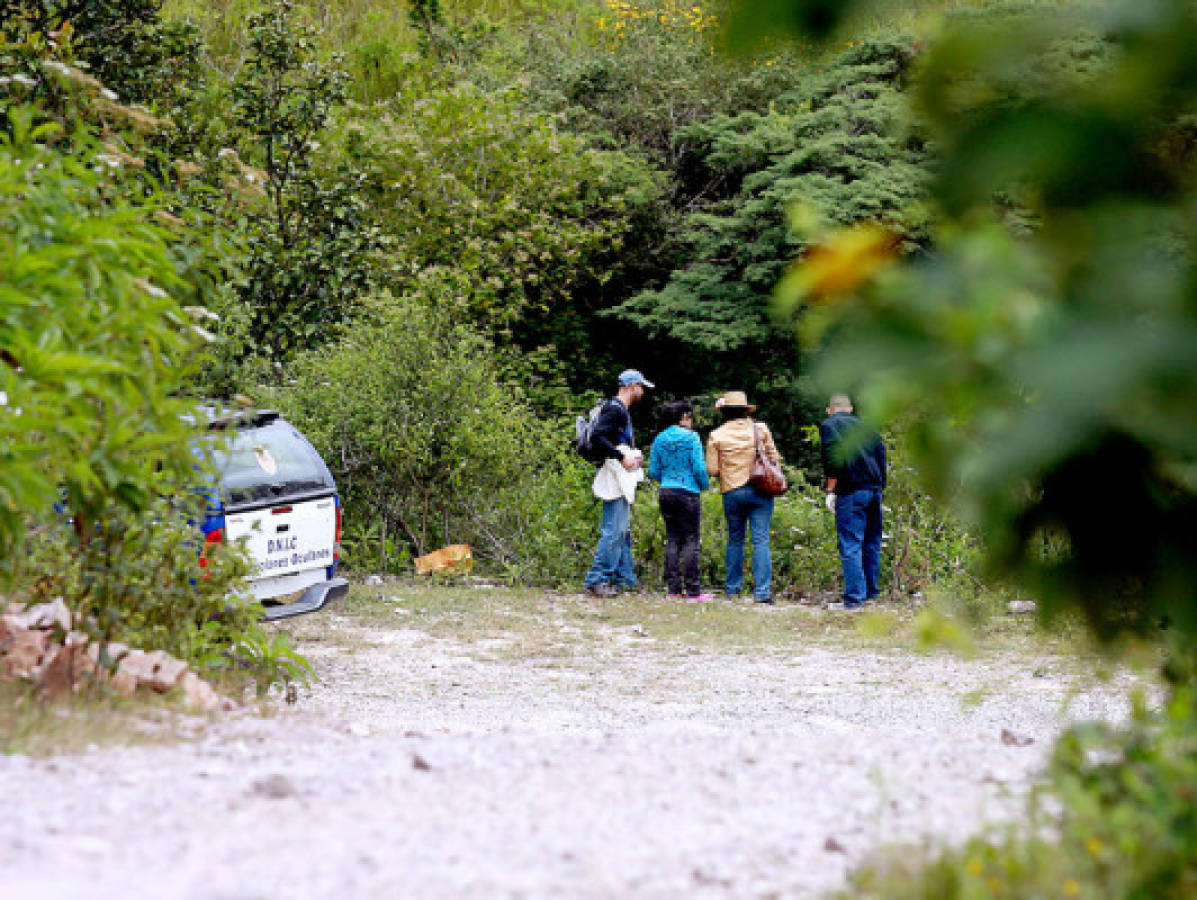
column 829, row 502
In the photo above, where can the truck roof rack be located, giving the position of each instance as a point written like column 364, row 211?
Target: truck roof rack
column 221, row 419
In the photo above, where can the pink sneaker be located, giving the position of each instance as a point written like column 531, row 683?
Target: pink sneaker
column 701, row 598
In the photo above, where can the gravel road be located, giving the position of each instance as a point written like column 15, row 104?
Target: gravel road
column 422, row 767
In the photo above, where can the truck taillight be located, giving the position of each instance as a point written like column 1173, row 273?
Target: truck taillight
column 215, row 536
column 337, row 535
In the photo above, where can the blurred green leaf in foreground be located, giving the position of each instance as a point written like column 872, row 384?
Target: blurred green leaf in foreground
column 1047, row 344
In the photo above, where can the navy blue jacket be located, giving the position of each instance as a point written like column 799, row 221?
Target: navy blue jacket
column 853, row 454
column 613, row 427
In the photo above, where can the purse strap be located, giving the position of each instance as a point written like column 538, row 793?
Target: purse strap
column 756, row 436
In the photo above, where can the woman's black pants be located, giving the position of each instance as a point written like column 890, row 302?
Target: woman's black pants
column 682, row 511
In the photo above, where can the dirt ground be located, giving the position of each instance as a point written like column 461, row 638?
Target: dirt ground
column 488, row 743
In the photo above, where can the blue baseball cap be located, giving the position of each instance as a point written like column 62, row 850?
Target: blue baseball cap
column 633, row 376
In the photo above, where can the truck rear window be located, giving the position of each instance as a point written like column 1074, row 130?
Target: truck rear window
column 268, row 463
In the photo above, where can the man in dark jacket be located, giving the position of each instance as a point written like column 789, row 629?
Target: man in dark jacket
column 855, row 466
column 612, row 568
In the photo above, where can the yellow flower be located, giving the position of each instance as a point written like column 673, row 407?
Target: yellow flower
column 974, row 867
column 1094, row 846
column 1071, row 887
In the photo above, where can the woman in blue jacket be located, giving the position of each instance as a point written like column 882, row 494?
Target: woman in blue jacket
column 677, row 463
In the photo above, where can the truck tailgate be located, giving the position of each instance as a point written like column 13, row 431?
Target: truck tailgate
column 290, row 537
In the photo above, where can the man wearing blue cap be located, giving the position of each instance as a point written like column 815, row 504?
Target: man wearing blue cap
column 614, row 445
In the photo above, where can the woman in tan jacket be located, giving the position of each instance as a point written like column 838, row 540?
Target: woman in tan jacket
column 731, row 450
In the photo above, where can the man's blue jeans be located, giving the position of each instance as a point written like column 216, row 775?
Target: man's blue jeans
column 744, row 507
column 613, row 556
column 858, row 530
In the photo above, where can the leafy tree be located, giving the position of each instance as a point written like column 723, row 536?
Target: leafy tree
column 510, row 222
column 309, row 245
column 97, row 447
column 835, row 148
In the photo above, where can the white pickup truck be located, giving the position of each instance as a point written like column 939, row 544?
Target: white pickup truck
column 277, row 498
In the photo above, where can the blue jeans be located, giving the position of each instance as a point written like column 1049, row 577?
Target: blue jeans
column 858, row 530
column 743, row 507
column 613, row 555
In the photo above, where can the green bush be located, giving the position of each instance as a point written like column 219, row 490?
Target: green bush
column 137, row 579
column 95, row 347
column 98, row 444
column 428, row 445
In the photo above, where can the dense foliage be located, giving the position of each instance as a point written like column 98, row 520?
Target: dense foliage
column 425, row 437
column 97, row 462
column 833, row 147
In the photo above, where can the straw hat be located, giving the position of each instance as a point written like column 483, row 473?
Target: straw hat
column 735, row 398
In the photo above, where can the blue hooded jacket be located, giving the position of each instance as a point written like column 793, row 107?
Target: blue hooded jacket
column 676, row 460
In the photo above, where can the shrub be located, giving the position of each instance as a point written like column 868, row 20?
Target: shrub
column 137, row 579
column 94, row 345
column 98, row 463
column 309, row 243
column 424, row 438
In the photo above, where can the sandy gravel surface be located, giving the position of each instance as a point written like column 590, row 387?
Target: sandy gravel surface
column 425, row 767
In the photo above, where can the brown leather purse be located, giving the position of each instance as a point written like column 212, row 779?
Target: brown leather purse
column 766, row 475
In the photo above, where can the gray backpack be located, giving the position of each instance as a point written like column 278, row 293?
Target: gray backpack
column 583, row 429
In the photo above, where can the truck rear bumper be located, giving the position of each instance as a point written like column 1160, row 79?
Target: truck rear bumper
column 315, row 597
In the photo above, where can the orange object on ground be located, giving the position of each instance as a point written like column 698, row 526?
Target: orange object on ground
column 454, row 558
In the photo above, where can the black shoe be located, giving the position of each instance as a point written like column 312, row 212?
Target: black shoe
column 601, row 590
column 769, row 601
